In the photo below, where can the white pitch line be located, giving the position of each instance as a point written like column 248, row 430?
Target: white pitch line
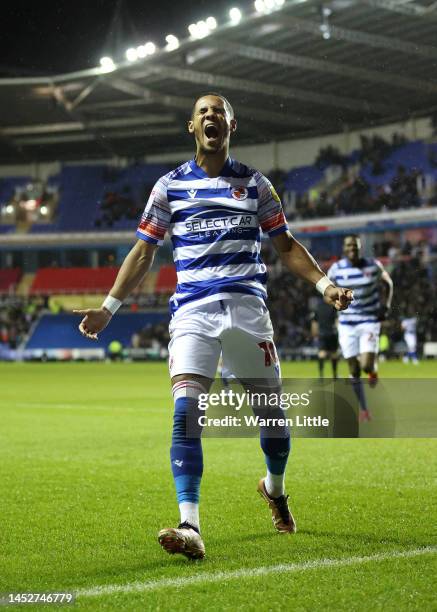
column 254, row 572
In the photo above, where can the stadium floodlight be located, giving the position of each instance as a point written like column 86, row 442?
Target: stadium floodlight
column 131, row 54
column 279, row 3
column 235, row 15
column 193, row 30
column 211, row 22
column 172, row 42
column 150, row 48
column 202, row 29
column 141, row 51
column 260, row 7
column 107, row 64
column 269, row 4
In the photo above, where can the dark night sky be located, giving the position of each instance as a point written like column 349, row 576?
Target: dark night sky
column 46, row 37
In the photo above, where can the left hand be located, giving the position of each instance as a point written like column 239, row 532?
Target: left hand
column 338, row 297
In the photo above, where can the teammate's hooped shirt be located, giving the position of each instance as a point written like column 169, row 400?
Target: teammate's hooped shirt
column 364, row 280
column 214, row 225
column 409, row 325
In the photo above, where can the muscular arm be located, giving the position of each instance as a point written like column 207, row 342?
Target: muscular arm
column 300, row 262
column 386, row 279
column 138, row 262
column 134, row 268
column 296, row 258
column 387, row 283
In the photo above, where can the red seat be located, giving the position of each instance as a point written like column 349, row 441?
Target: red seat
column 166, row 279
column 9, row 278
column 73, row 280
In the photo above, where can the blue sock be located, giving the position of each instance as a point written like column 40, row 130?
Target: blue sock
column 275, row 443
column 186, row 454
column 358, row 387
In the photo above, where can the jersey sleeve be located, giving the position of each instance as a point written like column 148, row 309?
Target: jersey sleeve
column 270, row 214
column 155, row 219
column 332, row 272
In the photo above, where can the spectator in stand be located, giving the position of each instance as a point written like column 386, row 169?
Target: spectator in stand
column 116, row 206
column 330, row 156
column 16, row 317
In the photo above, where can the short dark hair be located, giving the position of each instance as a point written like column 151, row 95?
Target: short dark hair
column 356, row 236
column 226, row 102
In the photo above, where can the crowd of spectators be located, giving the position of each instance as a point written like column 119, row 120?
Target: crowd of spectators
column 154, row 338
column 118, row 205
column 356, row 197
column 330, row 156
column 16, row 318
column 374, row 149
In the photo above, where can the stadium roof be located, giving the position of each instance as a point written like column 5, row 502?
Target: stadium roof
column 291, row 70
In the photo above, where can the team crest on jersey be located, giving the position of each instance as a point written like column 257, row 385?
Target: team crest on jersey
column 192, row 193
column 239, row 193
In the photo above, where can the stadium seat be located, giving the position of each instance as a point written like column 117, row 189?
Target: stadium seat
column 73, row 280
column 9, row 278
column 166, row 281
column 60, row 331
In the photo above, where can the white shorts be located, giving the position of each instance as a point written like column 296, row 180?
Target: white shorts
column 410, row 341
column 239, row 328
column 357, row 339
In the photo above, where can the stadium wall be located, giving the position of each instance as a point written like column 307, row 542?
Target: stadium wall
column 265, row 157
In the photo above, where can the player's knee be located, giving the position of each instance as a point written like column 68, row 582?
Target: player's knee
column 368, row 367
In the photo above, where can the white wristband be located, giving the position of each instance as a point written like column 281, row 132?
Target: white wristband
column 111, row 304
column 323, row 284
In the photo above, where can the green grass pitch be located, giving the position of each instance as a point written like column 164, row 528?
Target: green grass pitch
column 86, row 485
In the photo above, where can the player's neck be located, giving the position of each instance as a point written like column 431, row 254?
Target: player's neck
column 212, row 163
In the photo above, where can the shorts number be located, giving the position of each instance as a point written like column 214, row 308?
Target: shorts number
column 269, row 353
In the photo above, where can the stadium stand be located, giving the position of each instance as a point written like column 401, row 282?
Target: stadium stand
column 60, row 331
column 166, row 279
column 9, row 278
column 101, row 197
column 73, row 280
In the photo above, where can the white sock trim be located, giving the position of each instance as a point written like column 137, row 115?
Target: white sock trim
column 274, row 484
column 188, row 388
column 190, row 513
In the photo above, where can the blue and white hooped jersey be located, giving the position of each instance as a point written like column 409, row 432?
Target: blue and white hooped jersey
column 364, row 280
column 409, row 325
column 214, row 225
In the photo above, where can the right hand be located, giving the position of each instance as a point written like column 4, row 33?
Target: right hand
column 338, row 297
column 94, row 321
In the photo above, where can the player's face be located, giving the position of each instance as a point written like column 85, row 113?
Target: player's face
column 352, row 248
column 211, row 124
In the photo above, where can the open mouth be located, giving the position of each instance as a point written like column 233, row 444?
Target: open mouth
column 211, row 131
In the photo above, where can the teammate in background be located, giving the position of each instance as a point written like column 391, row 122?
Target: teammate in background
column 213, row 208
column 324, row 330
column 360, row 326
column 409, row 327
